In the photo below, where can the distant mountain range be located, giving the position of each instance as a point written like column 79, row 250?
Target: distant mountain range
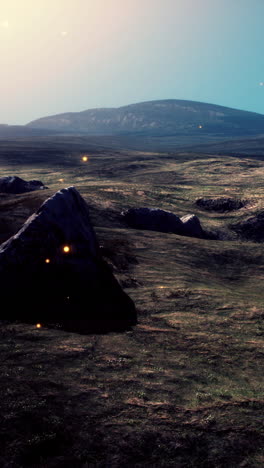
column 157, row 119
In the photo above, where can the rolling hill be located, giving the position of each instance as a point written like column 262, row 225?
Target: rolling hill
column 157, row 118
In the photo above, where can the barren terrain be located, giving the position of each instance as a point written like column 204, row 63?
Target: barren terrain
column 184, row 388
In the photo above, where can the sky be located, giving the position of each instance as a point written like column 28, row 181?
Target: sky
column 70, row 55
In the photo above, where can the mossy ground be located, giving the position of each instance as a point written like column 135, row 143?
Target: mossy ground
column 184, row 388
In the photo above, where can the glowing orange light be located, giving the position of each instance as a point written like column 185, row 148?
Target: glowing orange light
column 66, row 249
column 47, row 260
column 38, row 325
column 85, row 158
column 61, row 180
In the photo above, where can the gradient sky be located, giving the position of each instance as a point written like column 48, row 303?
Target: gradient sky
column 72, row 55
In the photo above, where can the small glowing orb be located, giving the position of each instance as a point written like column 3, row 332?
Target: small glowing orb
column 161, row 287
column 61, row 180
column 200, row 126
column 38, row 325
column 85, row 158
column 47, row 260
column 66, row 249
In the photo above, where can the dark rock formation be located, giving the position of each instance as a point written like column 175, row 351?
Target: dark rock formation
column 251, row 229
column 51, row 271
column 192, row 226
column 13, row 184
column 220, row 204
column 154, row 219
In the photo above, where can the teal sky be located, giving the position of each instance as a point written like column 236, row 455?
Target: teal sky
column 72, row 55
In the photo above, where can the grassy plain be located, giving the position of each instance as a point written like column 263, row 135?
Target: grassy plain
column 184, row 388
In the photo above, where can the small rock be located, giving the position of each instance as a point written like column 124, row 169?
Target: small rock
column 252, row 228
column 192, row 226
column 14, row 184
column 220, row 204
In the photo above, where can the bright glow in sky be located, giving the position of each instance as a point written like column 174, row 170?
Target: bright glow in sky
column 71, row 55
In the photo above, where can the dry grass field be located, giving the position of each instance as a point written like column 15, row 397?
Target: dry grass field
column 184, row 388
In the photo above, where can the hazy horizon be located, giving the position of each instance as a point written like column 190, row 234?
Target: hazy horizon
column 67, row 56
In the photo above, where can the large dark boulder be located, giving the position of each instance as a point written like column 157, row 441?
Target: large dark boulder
column 251, row 229
column 41, row 282
column 220, row 204
column 14, row 184
column 154, row 219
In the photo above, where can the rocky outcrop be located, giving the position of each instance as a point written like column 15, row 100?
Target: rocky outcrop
column 220, row 204
column 13, row 184
column 154, row 219
column 52, row 271
column 251, row 229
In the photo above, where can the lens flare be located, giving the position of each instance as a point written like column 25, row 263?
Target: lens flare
column 85, row 158
column 47, row 260
column 66, row 249
column 4, row 24
column 38, row 325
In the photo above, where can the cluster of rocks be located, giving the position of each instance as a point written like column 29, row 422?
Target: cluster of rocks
column 220, row 204
column 16, row 185
column 154, row 219
column 52, row 271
